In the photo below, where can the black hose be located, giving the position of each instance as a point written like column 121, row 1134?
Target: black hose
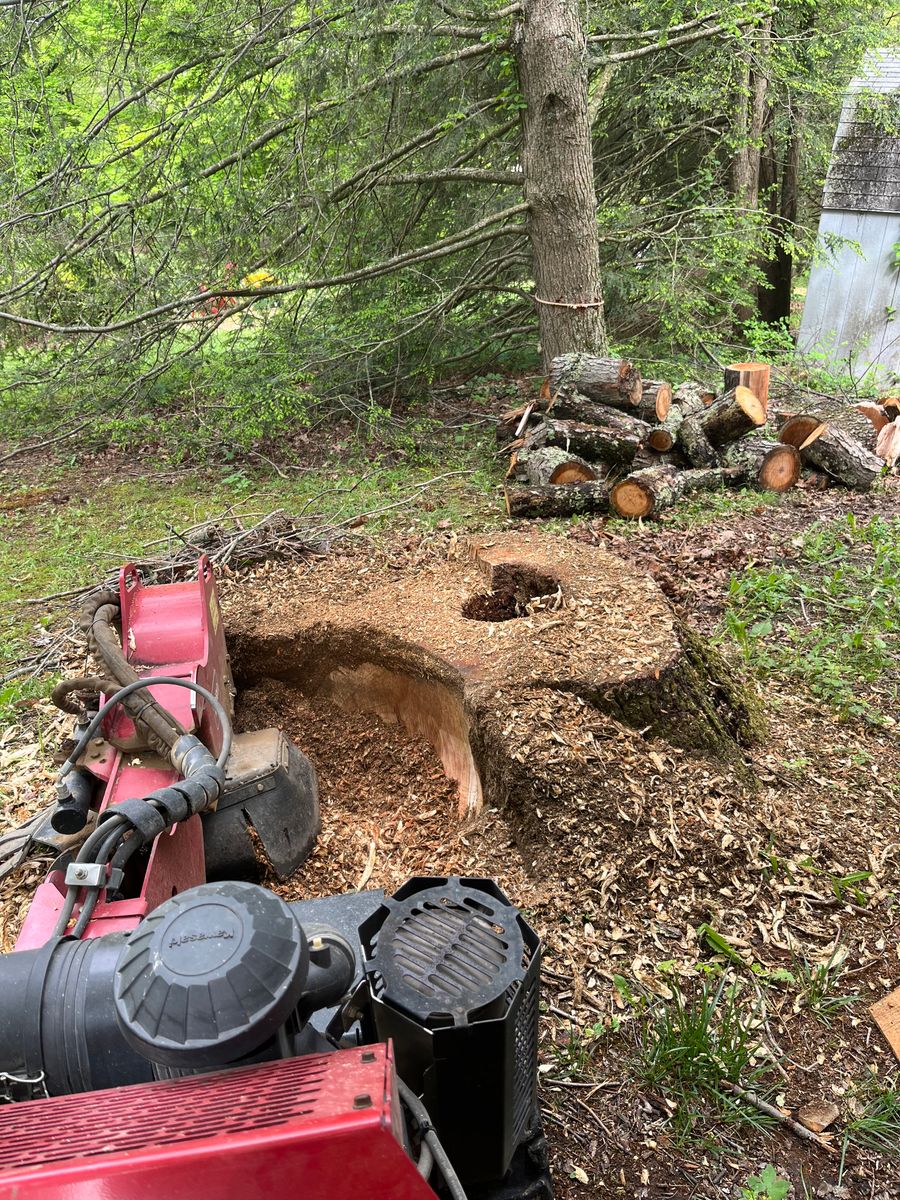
column 430, row 1138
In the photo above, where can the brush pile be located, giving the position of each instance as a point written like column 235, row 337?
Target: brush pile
column 601, row 438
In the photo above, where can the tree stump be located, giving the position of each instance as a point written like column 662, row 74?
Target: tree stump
column 574, row 620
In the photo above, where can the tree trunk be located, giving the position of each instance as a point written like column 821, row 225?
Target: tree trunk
column 557, row 499
column 559, row 178
column 844, row 458
column 774, row 299
column 694, row 443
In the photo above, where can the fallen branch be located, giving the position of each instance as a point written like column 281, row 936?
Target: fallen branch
column 779, row 1114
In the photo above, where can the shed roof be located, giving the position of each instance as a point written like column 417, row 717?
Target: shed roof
column 864, row 173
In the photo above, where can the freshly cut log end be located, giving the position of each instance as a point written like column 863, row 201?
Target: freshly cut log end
column 633, row 498
column 875, row 414
column 801, row 430
column 552, row 464
column 752, row 375
column 774, row 466
column 573, row 472
column 557, row 500
column 661, row 440
column 780, row 469
column 656, row 400
column 731, row 416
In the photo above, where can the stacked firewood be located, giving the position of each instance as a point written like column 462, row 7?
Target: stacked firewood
column 600, row 437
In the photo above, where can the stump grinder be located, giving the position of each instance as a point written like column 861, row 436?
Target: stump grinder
column 172, row 1030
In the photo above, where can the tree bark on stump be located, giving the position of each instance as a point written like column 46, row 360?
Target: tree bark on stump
column 752, row 375
column 552, row 464
column 731, row 416
column 611, row 438
column 844, row 458
column 558, row 173
column 771, row 465
column 557, row 499
column 694, row 443
column 650, row 491
column 607, row 380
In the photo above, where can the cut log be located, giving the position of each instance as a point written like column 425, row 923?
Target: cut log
column 697, row 395
column 843, row 457
column 664, row 436
column 552, row 464
column 610, row 380
column 772, row 465
column 646, row 457
column 696, row 446
column 874, row 413
column 612, row 437
column 557, row 499
column 888, row 444
column 798, row 429
column 752, row 375
column 650, row 491
column 731, row 416
column 655, row 401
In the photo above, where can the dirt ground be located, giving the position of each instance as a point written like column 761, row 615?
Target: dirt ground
column 636, row 844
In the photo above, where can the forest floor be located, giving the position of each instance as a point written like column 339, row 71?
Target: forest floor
column 705, row 925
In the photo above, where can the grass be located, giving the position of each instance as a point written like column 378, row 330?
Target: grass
column 875, row 1123
column 46, row 548
column 692, row 1042
column 831, row 619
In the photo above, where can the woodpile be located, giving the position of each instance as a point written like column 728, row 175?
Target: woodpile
column 601, row 438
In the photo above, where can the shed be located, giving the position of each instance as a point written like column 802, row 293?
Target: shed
column 851, row 312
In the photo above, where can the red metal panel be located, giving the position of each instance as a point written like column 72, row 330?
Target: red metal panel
column 321, row 1128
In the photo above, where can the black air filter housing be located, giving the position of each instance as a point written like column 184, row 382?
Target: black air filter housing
column 453, row 970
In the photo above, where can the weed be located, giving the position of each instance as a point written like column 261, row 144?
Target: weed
column 875, row 1123
column 767, row 1185
column 817, row 985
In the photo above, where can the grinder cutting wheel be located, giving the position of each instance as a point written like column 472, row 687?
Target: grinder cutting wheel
column 170, row 1028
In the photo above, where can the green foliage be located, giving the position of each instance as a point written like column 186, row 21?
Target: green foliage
column 831, row 619
column 875, row 1120
column 818, row 985
column 767, row 1185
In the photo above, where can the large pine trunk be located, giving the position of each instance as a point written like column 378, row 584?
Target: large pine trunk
column 559, row 178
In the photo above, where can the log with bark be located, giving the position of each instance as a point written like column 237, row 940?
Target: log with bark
column 843, row 457
column 767, row 464
column 556, row 499
column 650, row 491
column 610, row 380
column 690, row 392
column 689, row 399
column 752, row 375
column 694, row 443
column 611, row 437
column 553, row 464
column 731, row 416
column 655, row 401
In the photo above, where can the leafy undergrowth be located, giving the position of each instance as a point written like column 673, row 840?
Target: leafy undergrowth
column 830, row 620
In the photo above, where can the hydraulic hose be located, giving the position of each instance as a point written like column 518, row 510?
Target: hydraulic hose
column 431, row 1140
column 198, row 790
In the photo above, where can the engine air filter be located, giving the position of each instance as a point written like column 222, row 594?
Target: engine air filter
column 210, row 975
